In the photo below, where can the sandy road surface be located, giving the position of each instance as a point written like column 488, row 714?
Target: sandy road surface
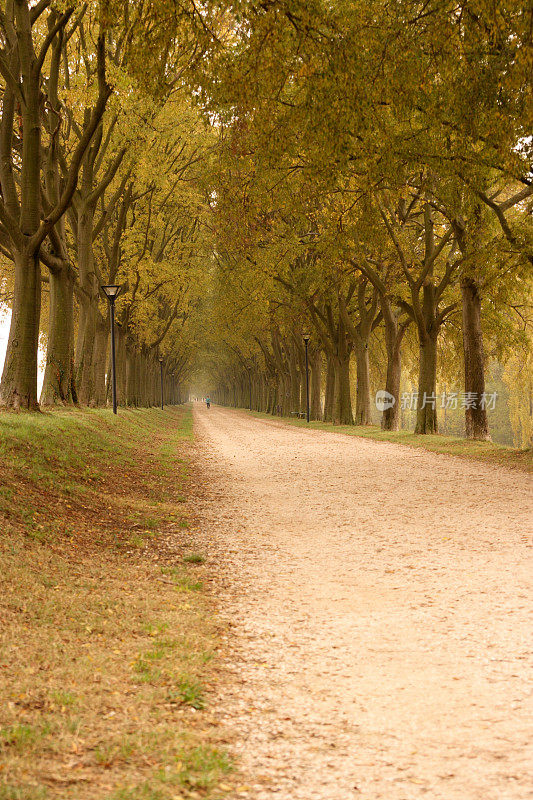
column 381, row 604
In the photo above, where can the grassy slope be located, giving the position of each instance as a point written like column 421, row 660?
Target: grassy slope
column 107, row 640
column 437, row 443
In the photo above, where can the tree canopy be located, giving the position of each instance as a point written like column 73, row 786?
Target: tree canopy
column 249, row 172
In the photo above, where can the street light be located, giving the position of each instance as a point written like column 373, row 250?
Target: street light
column 111, row 292
column 306, row 338
column 161, row 366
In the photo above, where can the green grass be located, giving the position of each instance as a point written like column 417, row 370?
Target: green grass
column 101, row 456
column 63, row 698
column 488, row 452
column 106, row 635
column 201, row 765
column 182, row 581
column 186, row 584
column 22, row 737
column 109, row 753
column 196, row 769
column 194, row 558
column 190, row 692
column 9, row 791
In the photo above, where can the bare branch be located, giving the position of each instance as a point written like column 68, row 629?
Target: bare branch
column 397, row 245
column 52, row 33
column 108, row 177
column 38, row 9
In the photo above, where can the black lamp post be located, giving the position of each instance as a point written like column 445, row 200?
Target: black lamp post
column 111, row 292
column 161, row 366
column 306, row 340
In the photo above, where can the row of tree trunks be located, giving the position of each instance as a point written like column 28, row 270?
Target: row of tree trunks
column 427, row 313
column 359, row 330
column 283, row 382
column 269, row 391
column 139, row 378
column 338, row 348
column 279, row 388
column 285, row 393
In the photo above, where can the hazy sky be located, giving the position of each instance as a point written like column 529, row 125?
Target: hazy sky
column 4, row 333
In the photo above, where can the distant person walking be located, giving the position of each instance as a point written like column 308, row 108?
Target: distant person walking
column 208, row 402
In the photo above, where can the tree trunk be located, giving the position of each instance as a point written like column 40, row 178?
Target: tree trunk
column 316, row 379
column 426, row 415
column 138, row 375
column 150, row 388
column 99, row 363
column 428, row 332
column 476, row 420
column 295, row 382
column 269, row 398
column 284, row 394
column 121, row 365
column 343, row 400
column 130, row 376
column 274, row 397
column 330, row 390
column 59, row 385
column 137, row 378
column 87, row 315
column 150, row 394
column 264, row 392
column 390, row 421
column 140, row 380
column 362, row 406
column 18, row 388
column 84, row 364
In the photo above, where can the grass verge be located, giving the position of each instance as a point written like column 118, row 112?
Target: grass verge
column 488, row 452
column 107, row 641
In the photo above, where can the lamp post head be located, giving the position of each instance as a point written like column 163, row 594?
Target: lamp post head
column 306, row 337
column 161, row 359
column 111, row 291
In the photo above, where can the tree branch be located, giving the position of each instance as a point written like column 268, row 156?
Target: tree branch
column 38, row 9
column 60, row 24
column 104, row 93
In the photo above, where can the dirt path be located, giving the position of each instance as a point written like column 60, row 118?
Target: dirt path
column 381, row 604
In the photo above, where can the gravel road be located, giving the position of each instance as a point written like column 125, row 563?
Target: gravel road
column 380, row 607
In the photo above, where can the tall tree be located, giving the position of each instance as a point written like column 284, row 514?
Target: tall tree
column 24, row 58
